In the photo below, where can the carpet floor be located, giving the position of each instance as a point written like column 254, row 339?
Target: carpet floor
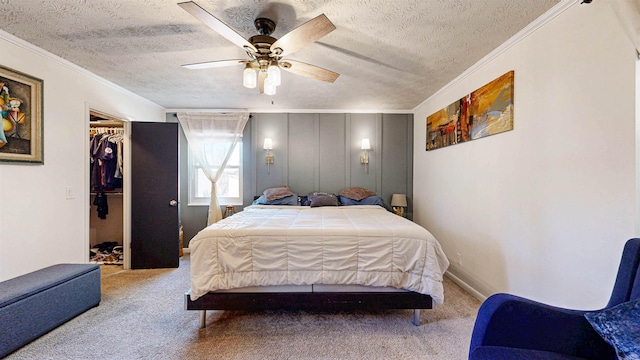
column 142, row 316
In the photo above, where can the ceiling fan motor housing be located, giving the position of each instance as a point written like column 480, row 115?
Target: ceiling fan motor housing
column 264, row 26
column 264, row 55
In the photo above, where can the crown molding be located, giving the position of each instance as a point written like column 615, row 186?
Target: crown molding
column 297, row 111
column 333, row 111
column 16, row 41
column 200, row 110
column 543, row 19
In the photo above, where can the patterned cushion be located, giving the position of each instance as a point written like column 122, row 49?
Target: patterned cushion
column 620, row 327
column 277, row 193
column 357, row 193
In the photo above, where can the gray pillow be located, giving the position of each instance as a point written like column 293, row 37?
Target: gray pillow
column 323, row 199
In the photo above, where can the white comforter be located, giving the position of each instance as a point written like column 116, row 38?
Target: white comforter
column 281, row 245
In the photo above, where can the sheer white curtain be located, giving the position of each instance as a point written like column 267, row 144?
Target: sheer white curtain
column 212, row 137
column 628, row 12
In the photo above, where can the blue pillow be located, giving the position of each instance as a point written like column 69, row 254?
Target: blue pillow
column 369, row 200
column 620, row 327
column 287, row 200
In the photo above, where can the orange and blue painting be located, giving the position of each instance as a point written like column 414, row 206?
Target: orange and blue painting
column 484, row 112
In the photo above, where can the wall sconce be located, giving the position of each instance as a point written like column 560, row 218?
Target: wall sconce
column 268, row 145
column 364, row 158
column 398, row 203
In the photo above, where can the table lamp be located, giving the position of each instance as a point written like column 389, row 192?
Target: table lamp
column 398, row 203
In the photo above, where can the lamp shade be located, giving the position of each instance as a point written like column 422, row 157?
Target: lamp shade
column 365, row 145
column 273, row 73
column 269, row 86
column 249, row 79
column 399, row 200
column 268, row 144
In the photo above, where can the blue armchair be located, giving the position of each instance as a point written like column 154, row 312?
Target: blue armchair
column 512, row 327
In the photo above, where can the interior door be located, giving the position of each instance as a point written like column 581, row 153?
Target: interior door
column 155, row 241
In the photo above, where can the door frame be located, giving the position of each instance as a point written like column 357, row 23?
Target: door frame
column 126, row 183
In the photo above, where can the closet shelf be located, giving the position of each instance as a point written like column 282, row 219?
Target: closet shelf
column 109, row 193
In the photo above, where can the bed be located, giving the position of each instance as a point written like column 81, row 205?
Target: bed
column 323, row 257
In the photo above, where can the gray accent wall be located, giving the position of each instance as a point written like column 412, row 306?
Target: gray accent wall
column 321, row 152
column 317, row 152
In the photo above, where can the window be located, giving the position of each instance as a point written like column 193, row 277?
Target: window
column 229, row 184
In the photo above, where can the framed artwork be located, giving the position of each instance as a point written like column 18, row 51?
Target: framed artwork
column 484, row 112
column 21, row 109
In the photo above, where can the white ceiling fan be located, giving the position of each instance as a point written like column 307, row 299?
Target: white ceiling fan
column 266, row 53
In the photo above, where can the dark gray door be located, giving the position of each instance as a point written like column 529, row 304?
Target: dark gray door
column 155, row 241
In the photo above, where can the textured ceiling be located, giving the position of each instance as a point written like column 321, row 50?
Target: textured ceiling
column 391, row 55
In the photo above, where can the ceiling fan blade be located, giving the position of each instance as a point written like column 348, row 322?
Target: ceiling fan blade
column 304, row 35
column 262, row 75
column 213, row 22
column 308, row 70
column 215, row 64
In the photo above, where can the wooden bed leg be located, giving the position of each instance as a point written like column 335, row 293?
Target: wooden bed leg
column 416, row 317
column 203, row 319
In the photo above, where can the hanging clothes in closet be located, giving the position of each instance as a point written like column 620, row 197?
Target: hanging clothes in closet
column 106, row 180
column 106, row 159
column 102, row 205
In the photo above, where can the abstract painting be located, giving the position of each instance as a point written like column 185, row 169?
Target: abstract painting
column 484, row 112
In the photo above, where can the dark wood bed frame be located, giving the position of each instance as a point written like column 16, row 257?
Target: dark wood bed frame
column 309, row 301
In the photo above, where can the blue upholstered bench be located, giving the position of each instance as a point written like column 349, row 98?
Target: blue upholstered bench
column 36, row 303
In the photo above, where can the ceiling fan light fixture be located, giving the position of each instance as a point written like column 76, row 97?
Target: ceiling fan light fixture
column 266, row 53
column 269, row 87
column 273, row 73
column 249, row 77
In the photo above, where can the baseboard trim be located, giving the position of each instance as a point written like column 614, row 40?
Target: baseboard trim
column 468, row 288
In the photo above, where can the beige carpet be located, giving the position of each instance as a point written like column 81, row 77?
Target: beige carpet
column 142, row 316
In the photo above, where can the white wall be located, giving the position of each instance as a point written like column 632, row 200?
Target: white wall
column 542, row 211
column 38, row 226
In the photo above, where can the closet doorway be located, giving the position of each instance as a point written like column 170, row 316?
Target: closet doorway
column 109, row 190
column 133, row 202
